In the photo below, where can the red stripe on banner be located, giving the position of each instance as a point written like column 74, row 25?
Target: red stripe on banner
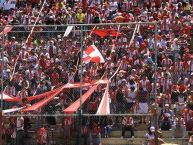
column 89, row 50
column 42, row 103
column 6, row 30
column 43, row 95
column 74, row 107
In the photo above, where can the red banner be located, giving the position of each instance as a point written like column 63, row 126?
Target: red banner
column 9, row 98
column 74, row 107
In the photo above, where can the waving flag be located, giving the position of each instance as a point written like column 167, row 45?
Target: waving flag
column 92, row 54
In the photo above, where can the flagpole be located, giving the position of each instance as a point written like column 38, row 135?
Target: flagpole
column 81, row 81
column 2, row 85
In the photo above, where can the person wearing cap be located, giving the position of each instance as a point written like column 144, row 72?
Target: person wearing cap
column 150, row 135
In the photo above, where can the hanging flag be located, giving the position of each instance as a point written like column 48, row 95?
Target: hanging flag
column 68, row 30
column 104, row 107
column 6, row 30
column 92, row 54
column 106, row 32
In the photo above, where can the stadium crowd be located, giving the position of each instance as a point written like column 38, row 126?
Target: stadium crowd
column 48, row 59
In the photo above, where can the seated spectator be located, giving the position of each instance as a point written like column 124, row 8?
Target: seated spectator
column 150, row 137
column 190, row 142
column 127, row 124
column 166, row 118
column 178, row 128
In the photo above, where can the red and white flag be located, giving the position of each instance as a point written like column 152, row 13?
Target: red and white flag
column 104, row 107
column 92, row 54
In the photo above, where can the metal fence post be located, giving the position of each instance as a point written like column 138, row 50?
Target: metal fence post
column 2, row 86
column 81, row 80
column 155, row 83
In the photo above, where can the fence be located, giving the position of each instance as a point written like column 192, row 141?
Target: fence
column 44, row 76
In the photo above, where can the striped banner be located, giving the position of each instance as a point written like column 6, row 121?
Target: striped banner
column 104, row 107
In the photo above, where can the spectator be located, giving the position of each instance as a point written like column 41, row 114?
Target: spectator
column 127, row 124
column 166, row 118
column 179, row 127
column 20, row 131
column 190, row 142
column 42, row 136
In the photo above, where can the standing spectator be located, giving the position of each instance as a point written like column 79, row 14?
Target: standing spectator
column 120, row 99
column 131, row 97
column 20, row 131
column 42, row 136
column 7, row 7
column 142, row 98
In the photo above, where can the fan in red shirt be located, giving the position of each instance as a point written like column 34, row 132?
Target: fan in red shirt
column 41, row 136
column 55, row 78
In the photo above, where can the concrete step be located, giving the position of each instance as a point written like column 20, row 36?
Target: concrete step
column 139, row 141
column 118, row 141
column 139, row 134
